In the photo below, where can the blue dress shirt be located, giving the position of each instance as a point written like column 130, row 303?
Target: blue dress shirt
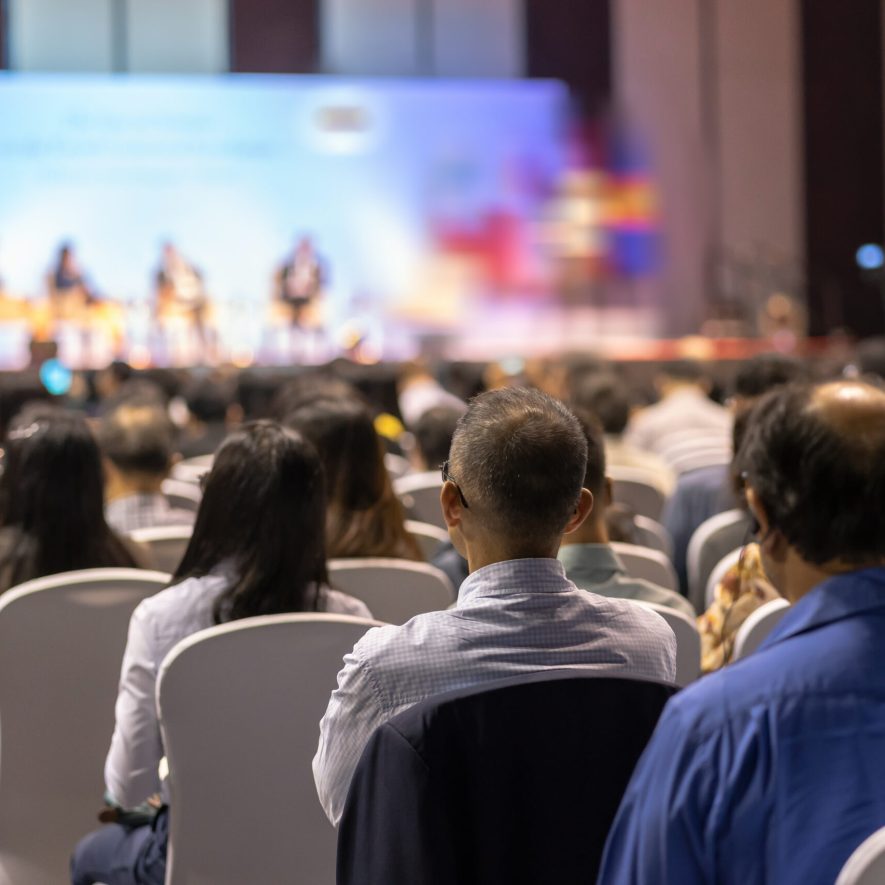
column 773, row 769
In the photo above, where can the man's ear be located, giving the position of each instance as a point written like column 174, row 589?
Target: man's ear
column 775, row 543
column 450, row 501
column 582, row 511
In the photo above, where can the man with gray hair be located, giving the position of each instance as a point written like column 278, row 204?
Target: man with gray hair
column 513, row 486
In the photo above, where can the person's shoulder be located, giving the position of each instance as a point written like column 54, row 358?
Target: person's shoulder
column 174, row 602
column 394, row 642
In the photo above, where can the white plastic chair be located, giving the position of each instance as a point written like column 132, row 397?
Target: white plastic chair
column 395, row 590
column 711, row 540
column 182, row 495
column 688, row 641
column 419, row 493
column 397, row 466
column 718, row 573
column 239, row 708
column 61, row 646
column 192, row 469
column 429, row 537
column 752, row 633
column 866, row 866
column 638, row 489
column 651, row 534
column 166, row 544
column 650, row 565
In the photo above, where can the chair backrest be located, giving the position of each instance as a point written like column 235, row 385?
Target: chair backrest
column 719, row 570
column 239, row 708
column 866, row 866
column 638, row 489
column 419, row 493
column 61, row 646
column 429, row 537
column 697, row 454
column 396, row 465
column 651, row 534
column 711, row 540
column 650, row 565
column 752, row 633
column 167, row 544
column 513, row 781
column 182, row 495
column 688, row 641
column 192, row 469
column 395, row 590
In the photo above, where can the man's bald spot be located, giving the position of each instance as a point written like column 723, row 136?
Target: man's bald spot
column 851, row 408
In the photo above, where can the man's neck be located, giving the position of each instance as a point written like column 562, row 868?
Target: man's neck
column 593, row 531
column 480, row 558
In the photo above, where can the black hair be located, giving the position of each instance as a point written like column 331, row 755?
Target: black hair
column 262, row 513
column 606, row 397
column 764, row 372
column 433, row 434
column 683, row 370
column 51, row 493
column 594, row 474
column 519, row 457
column 138, row 438
column 364, row 518
column 821, row 483
column 208, row 400
column 308, row 388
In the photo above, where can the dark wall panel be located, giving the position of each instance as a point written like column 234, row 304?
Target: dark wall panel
column 4, row 37
column 844, row 154
column 571, row 41
column 274, row 36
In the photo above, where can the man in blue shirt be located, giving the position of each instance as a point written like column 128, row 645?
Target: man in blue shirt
column 773, row 770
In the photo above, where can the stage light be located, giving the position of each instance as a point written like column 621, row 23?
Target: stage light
column 870, row 256
column 56, row 378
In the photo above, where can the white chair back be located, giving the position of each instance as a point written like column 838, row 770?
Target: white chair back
column 711, row 540
column 651, row 534
column 429, row 537
column 239, row 709
column 637, row 489
column 752, row 633
column 182, row 495
column 419, row 493
column 650, row 565
column 395, row 590
column 866, row 866
column 192, row 469
column 718, row 573
column 688, row 641
column 397, row 466
column 166, row 544
column 61, row 646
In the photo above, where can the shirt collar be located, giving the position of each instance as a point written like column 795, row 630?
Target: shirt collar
column 840, row 597
column 596, row 562
column 515, row 576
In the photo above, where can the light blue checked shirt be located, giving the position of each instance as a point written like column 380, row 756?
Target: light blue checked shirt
column 514, row 617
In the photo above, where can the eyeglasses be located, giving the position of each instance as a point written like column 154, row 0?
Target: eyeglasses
column 447, row 477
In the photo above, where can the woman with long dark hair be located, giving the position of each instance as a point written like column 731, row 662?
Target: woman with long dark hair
column 52, row 500
column 257, row 549
column 364, row 517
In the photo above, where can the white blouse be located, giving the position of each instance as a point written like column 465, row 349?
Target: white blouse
column 159, row 623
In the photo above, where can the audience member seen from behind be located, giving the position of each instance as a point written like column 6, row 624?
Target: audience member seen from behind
column 211, row 413
column 364, row 517
column 586, row 554
column 257, row 549
column 514, row 487
column 771, row 770
column 138, row 444
column 433, row 433
column 684, row 416
column 51, row 501
column 605, row 396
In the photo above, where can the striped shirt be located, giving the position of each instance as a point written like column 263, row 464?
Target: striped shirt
column 514, row 617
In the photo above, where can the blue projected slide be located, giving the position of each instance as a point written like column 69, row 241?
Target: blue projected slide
column 420, row 196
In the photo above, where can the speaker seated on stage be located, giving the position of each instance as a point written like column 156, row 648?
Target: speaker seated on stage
column 514, row 487
column 137, row 440
column 179, row 288
column 70, row 292
column 300, row 281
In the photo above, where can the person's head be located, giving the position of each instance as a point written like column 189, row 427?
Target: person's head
column 51, row 492
column 208, row 400
column 261, row 519
column 764, row 372
column 681, row 374
column 813, row 458
column 433, row 435
column 138, row 443
column 364, row 516
column 606, row 397
column 515, row 477
column 308, row 388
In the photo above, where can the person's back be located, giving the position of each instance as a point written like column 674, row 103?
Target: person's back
column 515, row 487
column 770, row 770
